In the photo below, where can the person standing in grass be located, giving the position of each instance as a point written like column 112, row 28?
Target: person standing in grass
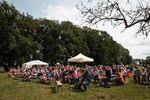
column 144, row 64
column 57, row 78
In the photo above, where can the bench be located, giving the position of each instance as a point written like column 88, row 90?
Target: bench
column 19, row 76
column 34, row 77
column 16, row 75
column 59, row 84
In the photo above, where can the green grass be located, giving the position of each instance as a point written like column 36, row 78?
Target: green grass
column 15, row 89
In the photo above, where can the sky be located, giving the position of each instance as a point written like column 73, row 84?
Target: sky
column 65, row 10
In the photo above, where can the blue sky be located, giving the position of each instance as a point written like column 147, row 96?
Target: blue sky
column 65, row 10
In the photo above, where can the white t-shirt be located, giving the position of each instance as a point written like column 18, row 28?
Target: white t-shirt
column 97, row 72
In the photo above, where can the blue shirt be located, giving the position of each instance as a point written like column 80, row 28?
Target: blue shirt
column 30, row 73
column 94, row 70
column 48, row 75
column 87, row 76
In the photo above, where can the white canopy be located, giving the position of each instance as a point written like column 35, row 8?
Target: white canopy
column 80, row 58
column 34, row 62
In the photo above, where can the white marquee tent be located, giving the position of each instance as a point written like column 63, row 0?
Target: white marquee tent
column 34, row 62
column 80, row 58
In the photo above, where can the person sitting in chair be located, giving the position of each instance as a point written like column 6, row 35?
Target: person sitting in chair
column 119, row 78
column 86, row 80
column 96, row 75
column 124, row 73
column 79, row 77
column 108, row 76
column 137, row 72
column 148, row 74
column 143, row 76
column 68, row 75
column 72, row 76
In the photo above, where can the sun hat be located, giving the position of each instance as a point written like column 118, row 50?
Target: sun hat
column 122, row 68
column 143, row 68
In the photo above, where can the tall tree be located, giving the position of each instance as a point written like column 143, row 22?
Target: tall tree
column 50, row 40
column 72, row 40
column 16, row 35
column 23, row 38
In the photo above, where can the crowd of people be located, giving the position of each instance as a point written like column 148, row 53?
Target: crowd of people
column 77, row 76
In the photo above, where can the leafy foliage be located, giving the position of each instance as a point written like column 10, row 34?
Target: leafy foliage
column 23, row 38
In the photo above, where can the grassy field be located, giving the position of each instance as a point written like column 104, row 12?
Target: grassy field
column 15, row 89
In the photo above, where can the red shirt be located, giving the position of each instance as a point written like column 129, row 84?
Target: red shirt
column 58, row 78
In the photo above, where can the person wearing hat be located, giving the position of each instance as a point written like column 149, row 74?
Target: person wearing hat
column 137, row 72
column 68, row 75
column 143, row 76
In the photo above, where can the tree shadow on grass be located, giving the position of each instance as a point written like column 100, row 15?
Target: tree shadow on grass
column 53, row 90
column 19, row 79
column 15, row 79
column 79, row 90
column 141, row 84
column 43, row 83
column 94, row 83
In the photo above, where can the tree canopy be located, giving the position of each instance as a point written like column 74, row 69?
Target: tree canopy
column 23, row 38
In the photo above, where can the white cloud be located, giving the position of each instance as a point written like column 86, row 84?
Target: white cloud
column 138, row 47
column 66, row 11
column 61, row 13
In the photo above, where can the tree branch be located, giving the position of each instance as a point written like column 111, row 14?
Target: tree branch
column 116, row 14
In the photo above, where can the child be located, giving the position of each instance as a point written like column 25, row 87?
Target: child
column 43, row 78
column 10, row 72
column 48, row 76
column 57, row 78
